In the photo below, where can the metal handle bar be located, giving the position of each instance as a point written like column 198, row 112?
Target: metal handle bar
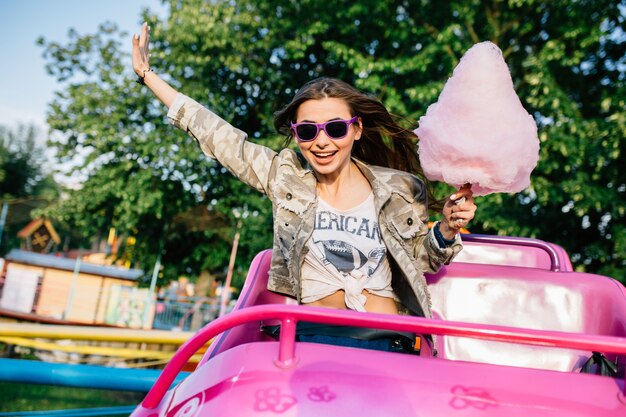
column 291, row 314
column 555, row 264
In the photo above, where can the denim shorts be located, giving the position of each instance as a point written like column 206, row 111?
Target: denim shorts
column 385, row 344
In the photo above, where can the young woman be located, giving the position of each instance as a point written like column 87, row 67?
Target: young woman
column 350, row 216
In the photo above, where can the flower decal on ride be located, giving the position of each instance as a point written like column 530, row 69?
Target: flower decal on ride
column 272, row 400
column 465, row 397
column 321, row 394
column 188, row 408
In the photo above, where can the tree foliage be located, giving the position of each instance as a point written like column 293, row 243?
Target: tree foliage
column 25, row 180
column 245, row 59
column 22, row 170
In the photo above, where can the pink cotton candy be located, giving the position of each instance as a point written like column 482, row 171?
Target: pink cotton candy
column 478, row 132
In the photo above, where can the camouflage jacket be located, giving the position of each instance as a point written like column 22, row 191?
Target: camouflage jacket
column 400, row 199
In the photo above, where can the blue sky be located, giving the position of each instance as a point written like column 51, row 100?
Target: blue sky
column 25, row 87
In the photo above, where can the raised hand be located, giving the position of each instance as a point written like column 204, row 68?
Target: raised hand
column 141, row 65
column 141, row 52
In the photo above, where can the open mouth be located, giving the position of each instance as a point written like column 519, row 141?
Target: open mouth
column 324, row 155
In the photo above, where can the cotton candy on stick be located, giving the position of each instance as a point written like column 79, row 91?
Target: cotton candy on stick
column 478, row 132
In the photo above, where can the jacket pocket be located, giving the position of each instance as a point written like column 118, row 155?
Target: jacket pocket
column 407, row 223
column 290, row 199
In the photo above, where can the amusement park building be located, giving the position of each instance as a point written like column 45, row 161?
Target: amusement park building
column 51, row 287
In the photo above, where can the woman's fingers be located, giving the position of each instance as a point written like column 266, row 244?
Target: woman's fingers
column 460, row 208
column 467, row 204
column 136, row 57
column 458, row 223
column 462, row 193
column 140, row 54
column 143, row 41
column 143, row 38
column 463, row 217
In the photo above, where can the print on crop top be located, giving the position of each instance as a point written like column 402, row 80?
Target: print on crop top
column 349, row 240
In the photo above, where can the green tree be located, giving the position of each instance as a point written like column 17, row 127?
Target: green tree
column 143, row 178
column 25, row 180
column 244, row 59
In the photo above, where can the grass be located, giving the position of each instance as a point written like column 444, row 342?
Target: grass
column 30, row 397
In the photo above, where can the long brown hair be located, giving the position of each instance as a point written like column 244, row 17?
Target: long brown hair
column 383, row 141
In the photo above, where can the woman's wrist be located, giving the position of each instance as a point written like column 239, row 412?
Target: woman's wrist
column 446, row 231
column 141, row 75
column 441, row 241
column 161, row 89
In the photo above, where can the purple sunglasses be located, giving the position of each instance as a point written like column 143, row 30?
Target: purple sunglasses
column 335, row 129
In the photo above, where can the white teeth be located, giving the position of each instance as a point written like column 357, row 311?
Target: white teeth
column 323, row 154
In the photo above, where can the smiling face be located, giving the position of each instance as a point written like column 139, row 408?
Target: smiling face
column 328, row 157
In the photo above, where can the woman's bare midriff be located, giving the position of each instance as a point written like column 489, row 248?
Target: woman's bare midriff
column 374, row 303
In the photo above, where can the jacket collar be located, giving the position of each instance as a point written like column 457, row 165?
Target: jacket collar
column 380, row 178
column 385, row 182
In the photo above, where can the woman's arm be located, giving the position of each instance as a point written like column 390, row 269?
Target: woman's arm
column 141, row 57
column 439, row 245
column 249, row 162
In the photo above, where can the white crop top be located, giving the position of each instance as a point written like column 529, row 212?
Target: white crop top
column 346, row 252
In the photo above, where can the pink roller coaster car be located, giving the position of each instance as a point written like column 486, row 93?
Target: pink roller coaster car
column 515, row 326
